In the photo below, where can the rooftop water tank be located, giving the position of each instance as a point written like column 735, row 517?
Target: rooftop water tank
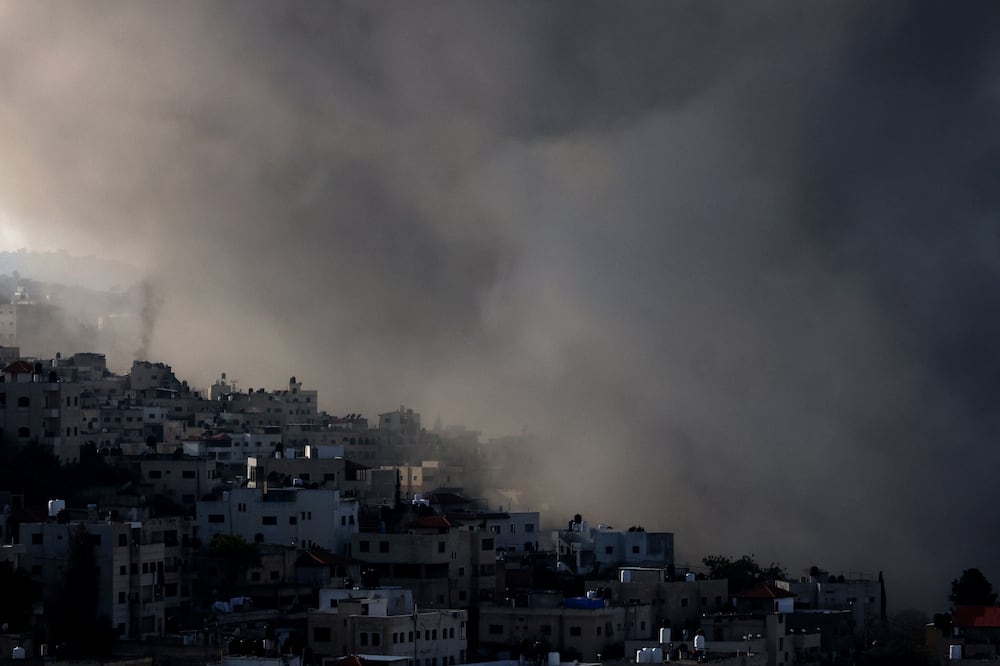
column 55, row 506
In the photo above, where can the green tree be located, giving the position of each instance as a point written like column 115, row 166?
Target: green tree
column 743, row 573
column 972, row 589
column 76, row 629
column 17, row 596
column 236, row 555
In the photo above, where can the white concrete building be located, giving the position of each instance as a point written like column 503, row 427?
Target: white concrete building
column 286, row 516
column 369, row 626
column 603, row 547
column 140, row 573
column 36, row 406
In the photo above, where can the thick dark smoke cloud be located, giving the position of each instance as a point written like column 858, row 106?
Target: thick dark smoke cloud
column 739, row 264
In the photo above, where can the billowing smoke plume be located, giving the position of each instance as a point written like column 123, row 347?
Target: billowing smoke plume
column 738, row 264
column 150, row 303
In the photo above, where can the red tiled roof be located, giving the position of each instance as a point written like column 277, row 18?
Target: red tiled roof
column 352, row 660
column 18, row 368
column 765, row 591
column 432, row 521
column 977, row 616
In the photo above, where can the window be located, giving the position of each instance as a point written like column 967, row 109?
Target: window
column 440, row 546
column 23, row 432
column 121, row 597
column 122, row 570
column 364, row 546
column 461, row 571
column 684, row 602
column 496, row 629
column 188, row 474
column 292, row 520
column 487, row 544
column 269, row 520
column 155, row 474
column 322, row 634
column 575, row 631
column 635, row 550
column 216, row 518
column 609, row 550
column 529, row 527
column 364, row 638
column 36, row 539
column 376, row 639
column 383, row 546
column 23, row 401
column 546, row 629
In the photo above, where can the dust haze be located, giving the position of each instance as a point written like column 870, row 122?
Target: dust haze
column 736, row 265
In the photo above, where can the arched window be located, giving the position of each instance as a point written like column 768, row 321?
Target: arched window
column 23, row 401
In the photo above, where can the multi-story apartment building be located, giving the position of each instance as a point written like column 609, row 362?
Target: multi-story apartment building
column 446, row 564
column 289, row 516
column 183, row 479
column 862, row 594
column 256, row 408
column 583, row 628
column 36, row 406
column 603, row 548
column 403, row 421
column 387, row 623
column 142, row 580
column 515, row 532
column 676, row 604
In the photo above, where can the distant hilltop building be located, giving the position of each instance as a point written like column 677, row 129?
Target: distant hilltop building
column 404, row 421
column 39, row 328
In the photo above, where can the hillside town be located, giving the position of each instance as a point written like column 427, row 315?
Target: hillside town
column 146, row 519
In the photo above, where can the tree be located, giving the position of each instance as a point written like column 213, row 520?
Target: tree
column 743, row 573
column 972, row 589
column 17, row 596
column 237, row 556
column 77, row 631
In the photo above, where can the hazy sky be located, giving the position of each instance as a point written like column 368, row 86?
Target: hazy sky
column 739, row 260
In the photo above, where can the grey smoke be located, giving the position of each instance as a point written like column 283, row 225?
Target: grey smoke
column 737, row 264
